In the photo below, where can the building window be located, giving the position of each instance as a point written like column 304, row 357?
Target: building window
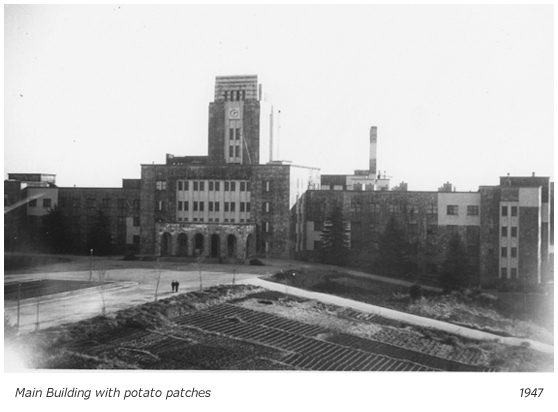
column 202, row 206
column 211, row 186
column 513, row 252
column 504, row 273
column 227, row 184
column 472, row 210
column 217, row 209
column 242, row 186
column 504, row 252
column 202, row 186
column 217, row 186
column 186, row 185
column 180, row 185
column 514, row 231
column 232, row 220
column 195, row 186
column 453, row 230
column 136, row 221
column 159, row 205
column 226, row 206
column 248, row 186
column 231, row 133
column 161, row 185
column 242, row 206
column 233, row 206
column 195, row 206
column 247, row 206
column 226, row 95
column 514, row 210
column 432, row 209
column 267, row 186
column 504, row 210
column 33, row 203
column 453, row 210
column 186, row 204
column 267, row 227
column 47, row 202
column 210, row 206
column 233, row 186
column 91, row 203
column 504, row 231
column 180, row 205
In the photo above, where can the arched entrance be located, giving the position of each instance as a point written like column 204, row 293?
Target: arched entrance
column 231, row 245
column 166, row 244
column 250, row 246
column 198, row 244
column 215, row 246
column 182, row 245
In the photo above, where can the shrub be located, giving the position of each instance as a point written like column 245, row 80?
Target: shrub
column 415, row 291
column 256, row 262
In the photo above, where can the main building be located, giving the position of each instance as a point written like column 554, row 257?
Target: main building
column 230, row 205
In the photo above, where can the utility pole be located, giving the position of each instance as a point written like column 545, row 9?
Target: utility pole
column 18, row 303
column 90, row 264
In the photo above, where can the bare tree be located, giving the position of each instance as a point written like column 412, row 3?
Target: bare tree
column 157, row 277
column 102, row 274
column 200, row 260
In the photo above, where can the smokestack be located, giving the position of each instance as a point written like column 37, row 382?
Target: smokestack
column 373, row 140
column 271, row 135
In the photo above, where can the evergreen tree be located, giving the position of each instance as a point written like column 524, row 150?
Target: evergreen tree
column 455, row 274
column 335, row 240
column 56, row 232
column 393, row 256
column 100, row 238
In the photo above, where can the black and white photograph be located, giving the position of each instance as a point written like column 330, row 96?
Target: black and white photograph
column 280, row 201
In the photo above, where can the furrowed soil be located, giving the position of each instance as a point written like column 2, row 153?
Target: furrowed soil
column 248, row 328
column 470, row 309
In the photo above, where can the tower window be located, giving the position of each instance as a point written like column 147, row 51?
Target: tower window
column 233, row 186
column 226, row 95
column 504, row 210
column 514, row 210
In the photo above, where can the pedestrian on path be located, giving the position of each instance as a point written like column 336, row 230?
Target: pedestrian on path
column 176, row 284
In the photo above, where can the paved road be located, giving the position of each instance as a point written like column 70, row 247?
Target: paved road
column 130, row 287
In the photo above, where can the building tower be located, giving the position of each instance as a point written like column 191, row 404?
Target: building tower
column 234, row 121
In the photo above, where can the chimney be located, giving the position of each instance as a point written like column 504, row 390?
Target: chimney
column 271, row 135
column 373, row 140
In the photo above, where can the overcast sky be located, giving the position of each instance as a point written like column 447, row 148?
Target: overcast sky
column 458, row 93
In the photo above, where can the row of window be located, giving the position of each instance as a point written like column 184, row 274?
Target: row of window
column 228, row 186
column 233, row 95
column 504, row 273
column 505, row 231
column 75, row 202
column 211, row 220
column 513, row 252
column 472, row 210
column 46, row 203
column 213, row 206
column 505, row 210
